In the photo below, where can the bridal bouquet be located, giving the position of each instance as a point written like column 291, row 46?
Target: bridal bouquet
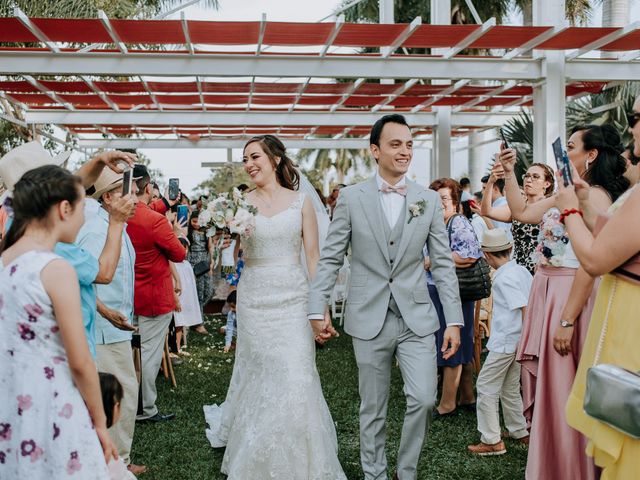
column 232, row 214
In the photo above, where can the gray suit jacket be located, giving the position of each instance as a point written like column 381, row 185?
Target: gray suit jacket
column 357, row 220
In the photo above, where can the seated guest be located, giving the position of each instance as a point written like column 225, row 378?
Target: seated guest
column 156, row 244
column 115, row 310
column 52, row 420
column 499, row 379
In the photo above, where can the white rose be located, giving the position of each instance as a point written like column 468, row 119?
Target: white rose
column 204, row 218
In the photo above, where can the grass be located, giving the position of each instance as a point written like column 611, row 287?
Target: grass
column 179, row 449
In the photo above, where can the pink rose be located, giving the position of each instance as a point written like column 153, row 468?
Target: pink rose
column 67, row 411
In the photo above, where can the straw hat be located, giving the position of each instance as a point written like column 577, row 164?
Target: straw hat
column 495, row 240
column 107, row 181
column 24, row 158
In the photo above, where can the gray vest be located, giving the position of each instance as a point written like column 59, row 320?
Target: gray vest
column 393, row 237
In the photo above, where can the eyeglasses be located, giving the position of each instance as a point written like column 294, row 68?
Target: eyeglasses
column 445, row 199
column 531, row 176
column 632, row 118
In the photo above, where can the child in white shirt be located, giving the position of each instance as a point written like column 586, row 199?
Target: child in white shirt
column 499, row 379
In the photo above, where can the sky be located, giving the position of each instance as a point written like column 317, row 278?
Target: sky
column 186, row 163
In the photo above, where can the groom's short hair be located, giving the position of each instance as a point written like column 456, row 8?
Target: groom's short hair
column 376, row 130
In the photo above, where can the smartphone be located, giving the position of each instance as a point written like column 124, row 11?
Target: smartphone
column 127, row 180
column 504, row 139
column 183, row 214
column 174, row 188
column 562, row 162
column 473, row 203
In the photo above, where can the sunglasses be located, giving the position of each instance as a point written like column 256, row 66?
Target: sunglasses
column 632, row 118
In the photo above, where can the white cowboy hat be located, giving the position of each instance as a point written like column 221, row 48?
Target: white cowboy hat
column 24, row 158
column 495, row 240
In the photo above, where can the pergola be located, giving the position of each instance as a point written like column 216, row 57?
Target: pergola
column 214, row 84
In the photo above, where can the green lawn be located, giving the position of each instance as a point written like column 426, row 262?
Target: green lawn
column 179, row 450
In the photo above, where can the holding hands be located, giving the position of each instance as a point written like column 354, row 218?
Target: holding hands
column 323, row 329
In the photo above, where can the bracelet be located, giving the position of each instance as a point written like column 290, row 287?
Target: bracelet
column 566, row 213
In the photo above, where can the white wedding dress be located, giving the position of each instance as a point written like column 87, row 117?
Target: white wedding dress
column 275, row 422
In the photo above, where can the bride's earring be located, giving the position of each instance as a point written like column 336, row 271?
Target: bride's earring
column 586, row 165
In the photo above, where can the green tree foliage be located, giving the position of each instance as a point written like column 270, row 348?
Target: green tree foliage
column 223, row 178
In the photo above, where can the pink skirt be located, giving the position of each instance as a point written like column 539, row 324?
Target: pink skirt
column 555, row 449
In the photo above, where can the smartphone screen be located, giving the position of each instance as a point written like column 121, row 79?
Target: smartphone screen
column 174, row 188
column 127, row 179
column 183, row 214
column 562, row 162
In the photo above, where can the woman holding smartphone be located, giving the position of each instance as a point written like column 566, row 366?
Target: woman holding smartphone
column 555, row 449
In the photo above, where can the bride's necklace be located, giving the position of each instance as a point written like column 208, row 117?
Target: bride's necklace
column 268, row 204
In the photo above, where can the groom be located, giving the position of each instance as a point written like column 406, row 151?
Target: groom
column 387, row 220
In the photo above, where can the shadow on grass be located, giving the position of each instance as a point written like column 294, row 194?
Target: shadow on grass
column 179, row 449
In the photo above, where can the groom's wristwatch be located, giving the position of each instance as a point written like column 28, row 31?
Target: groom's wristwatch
column 565, row 324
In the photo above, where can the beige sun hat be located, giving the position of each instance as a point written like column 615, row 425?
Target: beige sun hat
column 107, row 181
column 495, row 240
column 26, row 157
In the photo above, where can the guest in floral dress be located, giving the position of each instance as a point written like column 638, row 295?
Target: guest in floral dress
column 458, row 369
column 48, row 379
column 538, row 183
column 560, row 303
column 200, row 251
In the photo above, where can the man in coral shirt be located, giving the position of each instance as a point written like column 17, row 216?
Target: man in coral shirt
column 156, row 244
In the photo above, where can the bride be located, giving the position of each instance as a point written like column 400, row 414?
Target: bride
column 275, row 422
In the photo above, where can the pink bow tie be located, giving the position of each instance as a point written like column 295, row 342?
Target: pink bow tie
column 400, row 189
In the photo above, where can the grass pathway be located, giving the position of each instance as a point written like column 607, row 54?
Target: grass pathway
column 179, row 450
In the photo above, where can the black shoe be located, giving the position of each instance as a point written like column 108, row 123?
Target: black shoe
column 437, row 415
column 469, row 407
column 158, row 418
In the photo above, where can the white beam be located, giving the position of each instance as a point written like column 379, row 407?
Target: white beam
column 406, row 33
column 253, row 118
column 52, row 95
column 219, row 143
column 612, row 37
column 185, row 32
column 534, row 42
column 447, row 91
column 595, row 70
column 347, row 94
column 399, row 91
column 105, row 98
column 26, row 21
column 234, row 65
column 472, row 37
column 332, row 37
column 497, row 91
column 263, row 27
column 112, row 33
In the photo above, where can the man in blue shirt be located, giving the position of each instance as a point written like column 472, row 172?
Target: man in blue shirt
column 113, row 329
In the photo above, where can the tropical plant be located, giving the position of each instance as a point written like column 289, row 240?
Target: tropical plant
column 342, row 160
column 223, row 178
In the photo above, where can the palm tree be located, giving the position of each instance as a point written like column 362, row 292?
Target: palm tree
column 343, row 160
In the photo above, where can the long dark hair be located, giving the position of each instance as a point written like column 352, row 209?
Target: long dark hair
column 33, row 196
column 607, row 170
column 286, row 172
column 112, row 393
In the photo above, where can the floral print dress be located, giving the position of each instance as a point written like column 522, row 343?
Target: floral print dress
column 45, row 428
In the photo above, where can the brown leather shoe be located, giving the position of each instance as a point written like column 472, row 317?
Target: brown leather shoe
column 137, row 469
column 523, row 440
column 485, row 450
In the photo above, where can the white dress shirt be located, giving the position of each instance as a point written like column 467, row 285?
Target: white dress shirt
column 392, row 203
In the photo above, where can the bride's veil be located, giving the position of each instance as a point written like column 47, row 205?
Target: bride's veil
column 322, row 217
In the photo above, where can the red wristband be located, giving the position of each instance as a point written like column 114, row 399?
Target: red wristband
column 566, row 213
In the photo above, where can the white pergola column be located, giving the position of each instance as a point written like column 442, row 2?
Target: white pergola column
column 549, row 99
column 441, row 153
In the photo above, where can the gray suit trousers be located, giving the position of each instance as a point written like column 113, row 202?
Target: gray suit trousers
column 417, row 358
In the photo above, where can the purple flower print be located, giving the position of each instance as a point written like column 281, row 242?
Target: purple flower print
column 67, row 411
column 56, row 431
column 48, row 373
column 33, row 311
column 25, row 332
column 58, row 360
column 55, row 329
column 28, row 448
column 13, row 270
column 5, row 431
column 73, row 465
column 24, row 403
column 3, row 457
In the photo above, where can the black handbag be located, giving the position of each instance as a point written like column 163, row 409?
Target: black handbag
column 201, row 268
column 474, row 281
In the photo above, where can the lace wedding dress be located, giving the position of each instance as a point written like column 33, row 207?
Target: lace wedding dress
column 275, row 422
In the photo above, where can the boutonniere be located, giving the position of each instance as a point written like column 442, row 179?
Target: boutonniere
column 417, row 209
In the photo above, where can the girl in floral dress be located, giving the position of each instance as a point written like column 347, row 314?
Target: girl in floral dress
column 560, row 303
column 52, row 423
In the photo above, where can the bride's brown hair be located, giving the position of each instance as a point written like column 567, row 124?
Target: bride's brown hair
column 286, row 172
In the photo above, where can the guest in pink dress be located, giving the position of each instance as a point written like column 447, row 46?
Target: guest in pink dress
column 560, row 304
